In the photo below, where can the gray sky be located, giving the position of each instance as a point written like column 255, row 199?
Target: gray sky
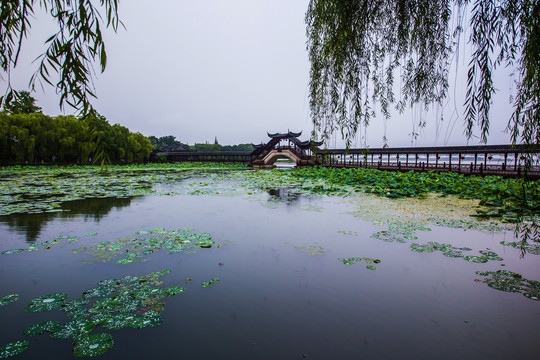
column 233, row 70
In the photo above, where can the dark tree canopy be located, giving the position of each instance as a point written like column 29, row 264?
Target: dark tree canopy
column 357, row 47
column 70, row 52
column 23, row 103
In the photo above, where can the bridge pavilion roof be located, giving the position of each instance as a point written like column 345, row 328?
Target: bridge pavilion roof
column 291, row 136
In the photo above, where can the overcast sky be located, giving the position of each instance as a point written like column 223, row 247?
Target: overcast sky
column 233, row 70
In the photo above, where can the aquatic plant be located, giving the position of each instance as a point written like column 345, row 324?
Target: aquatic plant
column 131, row 301
column 508, row 281
column 352, row 260
column 150, row 241
column 210, row 283
column 13, row 349
column 8, row 299
column 312, row 250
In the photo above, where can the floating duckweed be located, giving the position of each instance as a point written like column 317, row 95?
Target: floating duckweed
column 42, row 328
column 8, row 299
column 508, row 281
column 352, row 260
column 13, row 349
column 46, row 303
column 93, row 345
column 91, row 234
column 31, row 248
column 210, row 283
column 312, row 250
column 11, row 252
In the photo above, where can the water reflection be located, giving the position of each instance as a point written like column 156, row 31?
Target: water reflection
column 283, row 194
column 88, row 209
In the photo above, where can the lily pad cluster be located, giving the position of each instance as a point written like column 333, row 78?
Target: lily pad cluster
column 41, row 245
column 148, row 242
column 131, row 301
column 369, row 261
column 399, row 232
column 44, row 189
column 456, row 252
column 508, row 281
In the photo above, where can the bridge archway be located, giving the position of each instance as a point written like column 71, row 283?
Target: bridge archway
column 274, row 155
column 284, row 145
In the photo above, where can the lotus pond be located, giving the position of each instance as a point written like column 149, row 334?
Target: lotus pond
column 222, row 262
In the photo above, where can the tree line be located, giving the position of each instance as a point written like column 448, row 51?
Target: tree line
column 170, row 141
column 36, row 138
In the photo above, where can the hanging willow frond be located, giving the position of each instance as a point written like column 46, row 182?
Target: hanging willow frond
column 356, row 46
column 71, row 51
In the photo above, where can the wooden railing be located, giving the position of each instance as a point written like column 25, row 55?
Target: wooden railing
column 504, row 160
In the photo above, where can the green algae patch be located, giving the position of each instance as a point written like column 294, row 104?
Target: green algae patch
column 508, row 281
column 13, row 349
column 8, row 299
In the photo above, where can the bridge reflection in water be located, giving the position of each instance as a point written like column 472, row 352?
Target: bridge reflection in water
column 504, row 160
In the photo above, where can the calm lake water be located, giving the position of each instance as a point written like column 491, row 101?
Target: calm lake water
column 282, row 293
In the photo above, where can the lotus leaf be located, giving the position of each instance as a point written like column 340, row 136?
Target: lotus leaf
column 8, row 299
column 210, row 283
column 38, row 329
column 508, row 281
column 47, row 303
column 352, row 260
column 11, row 252
column 13, row 349
column 93, row 345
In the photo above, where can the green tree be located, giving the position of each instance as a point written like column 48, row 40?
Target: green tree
column 71, row 51
column 356, row 48
column 165, row 141
column 23, row 103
